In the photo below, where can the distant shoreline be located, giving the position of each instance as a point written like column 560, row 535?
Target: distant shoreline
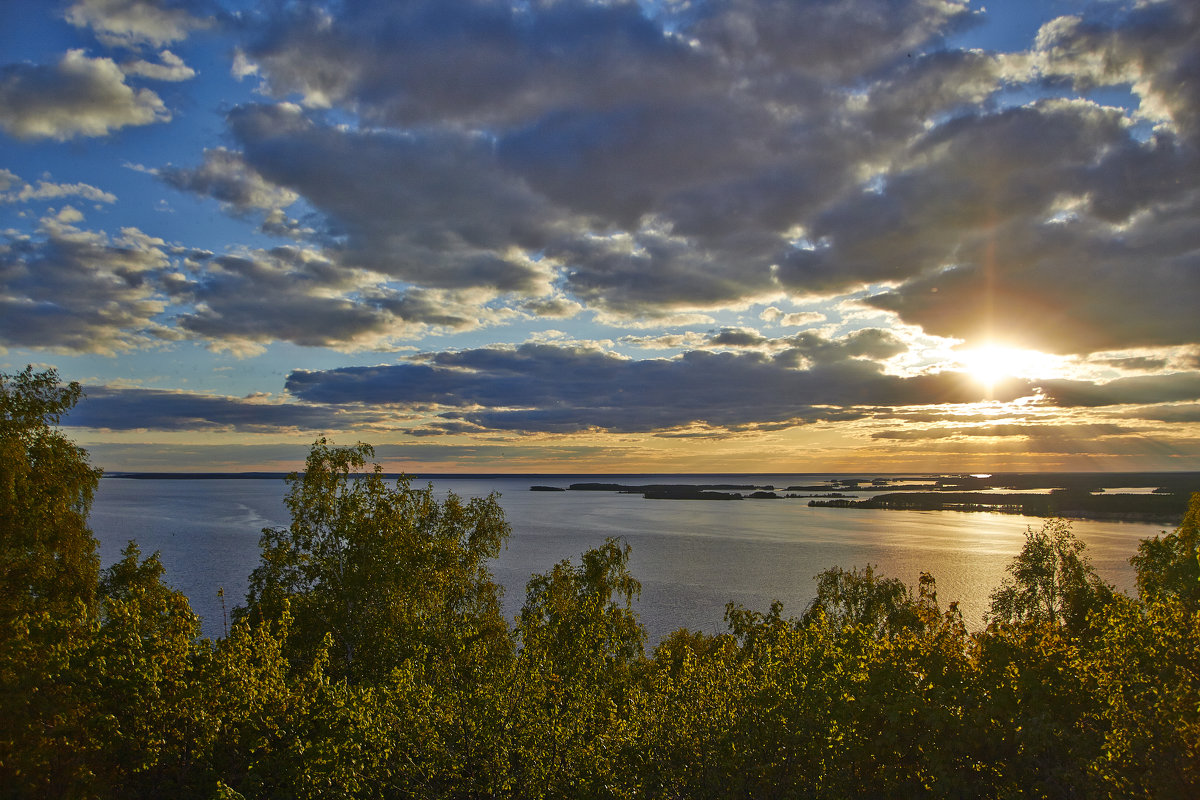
column 1157, row 497
column 1149, row 477
column 1141, row 497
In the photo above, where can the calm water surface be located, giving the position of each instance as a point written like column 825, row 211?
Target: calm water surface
column 692, row 557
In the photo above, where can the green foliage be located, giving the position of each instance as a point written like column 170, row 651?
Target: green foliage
column 1145, row 670
column 688, row 699
column 583, row 615
column 371, row 661
column 388, row 572
column 46, row 749
column 1169, row 565
column 98, row 673
column 146, row 662
column 579, row 639
column 861, row 598
column 1051, row 581
column 48, row 586
column 1036, row 721
column 48, row 559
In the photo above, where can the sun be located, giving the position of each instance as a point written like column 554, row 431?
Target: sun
column 991, row 364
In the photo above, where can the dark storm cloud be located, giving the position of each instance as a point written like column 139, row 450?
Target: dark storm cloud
column 78, row 96
column 117, row 409
column 562, row 389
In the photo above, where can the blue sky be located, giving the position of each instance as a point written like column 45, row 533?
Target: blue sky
column 569, row 235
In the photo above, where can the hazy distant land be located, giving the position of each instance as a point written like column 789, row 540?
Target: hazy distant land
column 1142, row 496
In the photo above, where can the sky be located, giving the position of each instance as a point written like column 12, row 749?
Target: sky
column 523, row 236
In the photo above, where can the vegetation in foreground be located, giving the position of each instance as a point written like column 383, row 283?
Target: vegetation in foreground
column 371, row 660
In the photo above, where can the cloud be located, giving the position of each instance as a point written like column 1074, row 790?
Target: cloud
column 1048, row 431
column 538, row 387
column 430, row 208
column 1139, row 389
column 47, row 190
column 1048, row 226
column 655, row 162
column 794, row 319
column 1172, row 413
column 464, row 60
column 690, row 340
column 171, row 68
column 1150, row 46
column 243, row 301
column 422, row 457
column 130, row 23
column 79, row 96
column 75, row 290
column 561, row 389
column 655, row 275
column 644, row 155
column 1079, row 447
column 873, row 344
column 1135, row 363
column 738, row 338
column 226, row 177
column 798, row 350
column 126, row 409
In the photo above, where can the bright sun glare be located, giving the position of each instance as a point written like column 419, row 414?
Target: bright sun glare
column 990, row 365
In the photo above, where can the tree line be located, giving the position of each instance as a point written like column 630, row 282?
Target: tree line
column 371, row 659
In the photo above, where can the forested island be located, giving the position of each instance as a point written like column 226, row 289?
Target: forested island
column 370, row 659
column 1151, row 497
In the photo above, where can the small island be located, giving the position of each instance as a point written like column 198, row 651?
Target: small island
column 1143, row 497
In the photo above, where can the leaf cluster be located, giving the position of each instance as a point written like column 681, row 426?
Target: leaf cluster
column 371, row 661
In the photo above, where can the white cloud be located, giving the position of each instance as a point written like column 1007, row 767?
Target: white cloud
column 79, row 96
column 792, row 319
column 170, row 68
column 129, row 23
column 48, row 190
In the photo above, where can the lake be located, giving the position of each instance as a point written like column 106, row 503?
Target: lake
column 692, row 557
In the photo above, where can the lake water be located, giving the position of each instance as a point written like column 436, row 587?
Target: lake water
column 692, row 557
